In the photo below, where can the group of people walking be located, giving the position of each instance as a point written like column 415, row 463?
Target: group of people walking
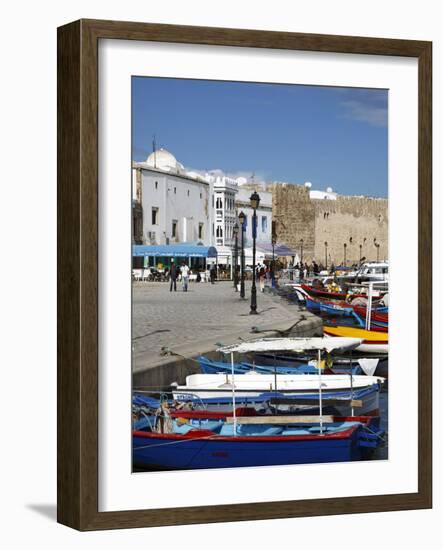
column 303, row 270
column 264, row 274
column 175, row 272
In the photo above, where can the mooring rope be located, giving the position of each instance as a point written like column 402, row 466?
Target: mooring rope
column 176, row 442
column 375, row 433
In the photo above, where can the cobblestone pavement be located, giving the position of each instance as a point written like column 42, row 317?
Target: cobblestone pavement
column 198, row 319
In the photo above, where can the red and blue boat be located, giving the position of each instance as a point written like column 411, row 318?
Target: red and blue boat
column 213, row 441
column 379, row 317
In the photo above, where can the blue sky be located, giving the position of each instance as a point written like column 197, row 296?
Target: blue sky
column 332, row 137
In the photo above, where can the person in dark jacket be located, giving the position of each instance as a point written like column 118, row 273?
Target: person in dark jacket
column 213, row 273
column 173, row 274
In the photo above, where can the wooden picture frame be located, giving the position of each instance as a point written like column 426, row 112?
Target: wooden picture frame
column 78, row 274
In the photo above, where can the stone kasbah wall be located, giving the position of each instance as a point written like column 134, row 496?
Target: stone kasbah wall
column 294, row 216
column 351, row 220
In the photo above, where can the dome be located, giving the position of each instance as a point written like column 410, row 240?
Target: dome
column 164, row 160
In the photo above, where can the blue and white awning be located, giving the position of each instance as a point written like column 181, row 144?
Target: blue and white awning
column 280, row 250
column 174, row 251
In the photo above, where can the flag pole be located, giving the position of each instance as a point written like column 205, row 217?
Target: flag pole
column 233, row 394
column 320, row 401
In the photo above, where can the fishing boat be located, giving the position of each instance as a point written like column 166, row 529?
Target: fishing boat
column 367, row 363
column 252, row 385
column 208, row 366
column 358, row 293
column 366, row 400
column 339, row 309
column 214, row 390
column 373, row 341
column 379, row 318
column 318, row 292
column 236, row 441
column 339, row 363
column 311, row 304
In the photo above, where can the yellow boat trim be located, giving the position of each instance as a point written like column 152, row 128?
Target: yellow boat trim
column 353, row 332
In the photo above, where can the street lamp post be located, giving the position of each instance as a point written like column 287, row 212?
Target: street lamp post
column 301, row 250
column 255, row 201
column 273, row 240
column 359, row 260
column 344, row 253
column 326, row 254
column 235, row 232
column 241, row 219
column 377, row 246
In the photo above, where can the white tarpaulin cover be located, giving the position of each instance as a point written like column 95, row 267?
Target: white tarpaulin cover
column 294, row 344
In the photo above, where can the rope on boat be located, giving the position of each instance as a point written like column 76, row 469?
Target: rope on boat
column 376, row 434
column 167, row 351
column 147, row 418
column 175, row 442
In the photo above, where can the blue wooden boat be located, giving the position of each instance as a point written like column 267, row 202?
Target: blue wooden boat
column 208, row 366
column 219, row 443
column 146, row 401
column 335, row 402
column 336, row 310
column 312, row 305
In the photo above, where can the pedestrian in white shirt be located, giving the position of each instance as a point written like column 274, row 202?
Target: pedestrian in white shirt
column 185, row 276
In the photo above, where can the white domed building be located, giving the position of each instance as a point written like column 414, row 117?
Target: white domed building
column 175, row 204
column 172, row 205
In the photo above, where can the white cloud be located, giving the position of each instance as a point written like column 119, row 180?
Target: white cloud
column 373, row 114
column 259, row 177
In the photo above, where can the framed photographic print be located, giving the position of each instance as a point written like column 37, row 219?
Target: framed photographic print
column 244, row 275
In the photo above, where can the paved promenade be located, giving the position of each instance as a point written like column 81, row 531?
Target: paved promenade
column 195, row 322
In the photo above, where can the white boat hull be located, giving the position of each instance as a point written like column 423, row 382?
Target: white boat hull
column 260, row 383
column 373, row 348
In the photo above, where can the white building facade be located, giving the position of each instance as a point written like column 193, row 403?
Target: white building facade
column 264, row 213
column 176, row 205
column 225, row 190
column 172, row 205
